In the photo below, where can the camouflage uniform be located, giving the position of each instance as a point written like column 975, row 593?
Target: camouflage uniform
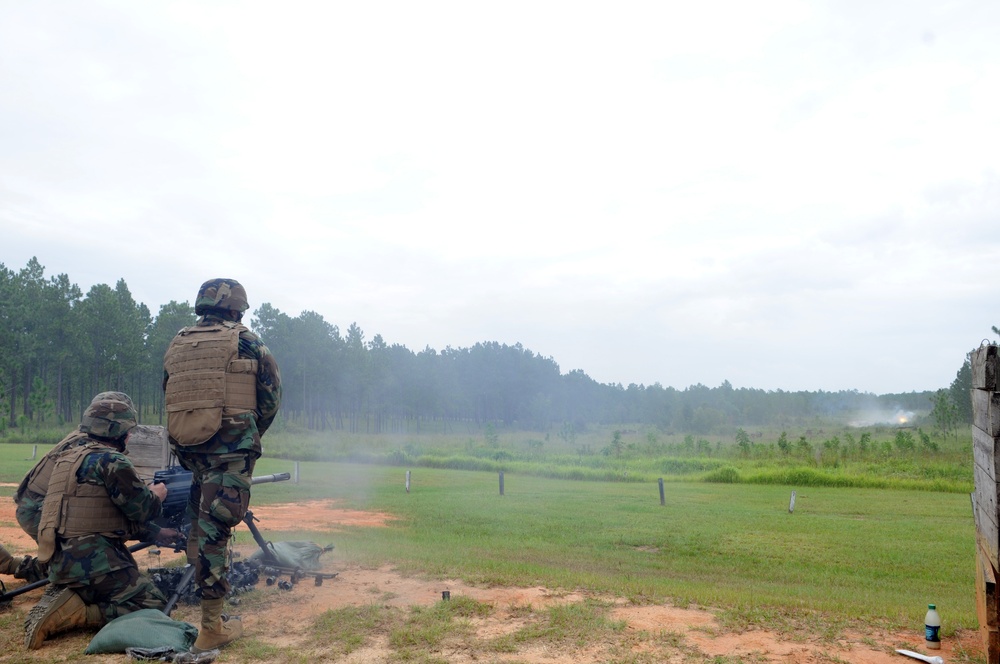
column 93, row 502
column 100, row 568
column 30, row 494
column 222, row 466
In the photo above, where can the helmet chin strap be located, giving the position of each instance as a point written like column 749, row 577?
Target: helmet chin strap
column 225, row 314
column 117, row 443
column 121, row 442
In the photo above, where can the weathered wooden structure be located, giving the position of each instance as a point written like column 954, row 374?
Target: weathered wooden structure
column 986, row 452
column 149, row 450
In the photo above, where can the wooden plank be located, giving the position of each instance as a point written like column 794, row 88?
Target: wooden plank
column 984, row 452
column 984, row 456
column 987, row 531
column 986, row 514
column 986, row 471
column 986, row 411
column 984, row 510
column 983, row 546
column 149, row 449
column 985, row 498
column 984, row 362
column 987, row 575
column 988, row 607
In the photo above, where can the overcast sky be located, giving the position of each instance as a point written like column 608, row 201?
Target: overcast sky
column 794, row 195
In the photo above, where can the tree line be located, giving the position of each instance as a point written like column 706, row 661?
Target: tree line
column 62, row 346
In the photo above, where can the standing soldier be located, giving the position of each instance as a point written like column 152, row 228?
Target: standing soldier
column 223, row 390
column 94, row 502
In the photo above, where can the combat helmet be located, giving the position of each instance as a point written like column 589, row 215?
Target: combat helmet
column 110, row 415
column 221, row 294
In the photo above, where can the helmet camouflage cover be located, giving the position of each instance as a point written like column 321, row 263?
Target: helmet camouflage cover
column 227, row 294
column 110, row 415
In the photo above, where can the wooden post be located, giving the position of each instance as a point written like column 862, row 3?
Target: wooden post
column 662, row 498
column 986, row 455
column 987, row 603
column 295, row 475
column 34, row 452
column 501, row 482
column 791, row 503
column 407, row 481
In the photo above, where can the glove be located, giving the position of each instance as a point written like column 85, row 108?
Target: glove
column 167, row 536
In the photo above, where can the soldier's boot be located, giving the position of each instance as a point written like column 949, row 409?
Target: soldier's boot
column 59, row 610
column 216, row 629
column 9, row 563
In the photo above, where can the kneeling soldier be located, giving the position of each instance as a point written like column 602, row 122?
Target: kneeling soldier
column 95, row 501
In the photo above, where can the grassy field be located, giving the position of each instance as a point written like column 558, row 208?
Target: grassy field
column 878, row 551
column 856, row 553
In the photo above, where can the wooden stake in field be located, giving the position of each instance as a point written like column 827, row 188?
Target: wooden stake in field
column 986, row 453
column 791, row 503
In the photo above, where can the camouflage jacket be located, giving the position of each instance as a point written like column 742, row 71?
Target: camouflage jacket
column 241, row 433
column 80, row 558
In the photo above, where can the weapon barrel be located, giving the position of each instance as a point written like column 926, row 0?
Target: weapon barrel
column 11, row 594
column 277, row 477
column 181, row 589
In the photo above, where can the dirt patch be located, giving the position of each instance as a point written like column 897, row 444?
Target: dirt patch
column 321, row 515
column 653, row 633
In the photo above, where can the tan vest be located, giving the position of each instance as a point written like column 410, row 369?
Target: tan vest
column 206, row 379
column 37, row 479
column 74, row 509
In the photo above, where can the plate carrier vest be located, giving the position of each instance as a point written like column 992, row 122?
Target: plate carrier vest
column 206, row 379
column 37, row 479
column 73, row 509
column 36, row 482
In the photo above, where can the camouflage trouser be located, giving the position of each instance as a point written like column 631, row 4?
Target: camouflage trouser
column 120, row 592
column 220, row 496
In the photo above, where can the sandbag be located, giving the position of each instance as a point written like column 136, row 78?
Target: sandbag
column 146, row 628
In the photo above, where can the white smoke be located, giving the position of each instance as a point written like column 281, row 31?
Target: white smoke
column 898, row 417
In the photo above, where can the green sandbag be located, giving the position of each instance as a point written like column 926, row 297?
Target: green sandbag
column 296, row 554
column 145, row 628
